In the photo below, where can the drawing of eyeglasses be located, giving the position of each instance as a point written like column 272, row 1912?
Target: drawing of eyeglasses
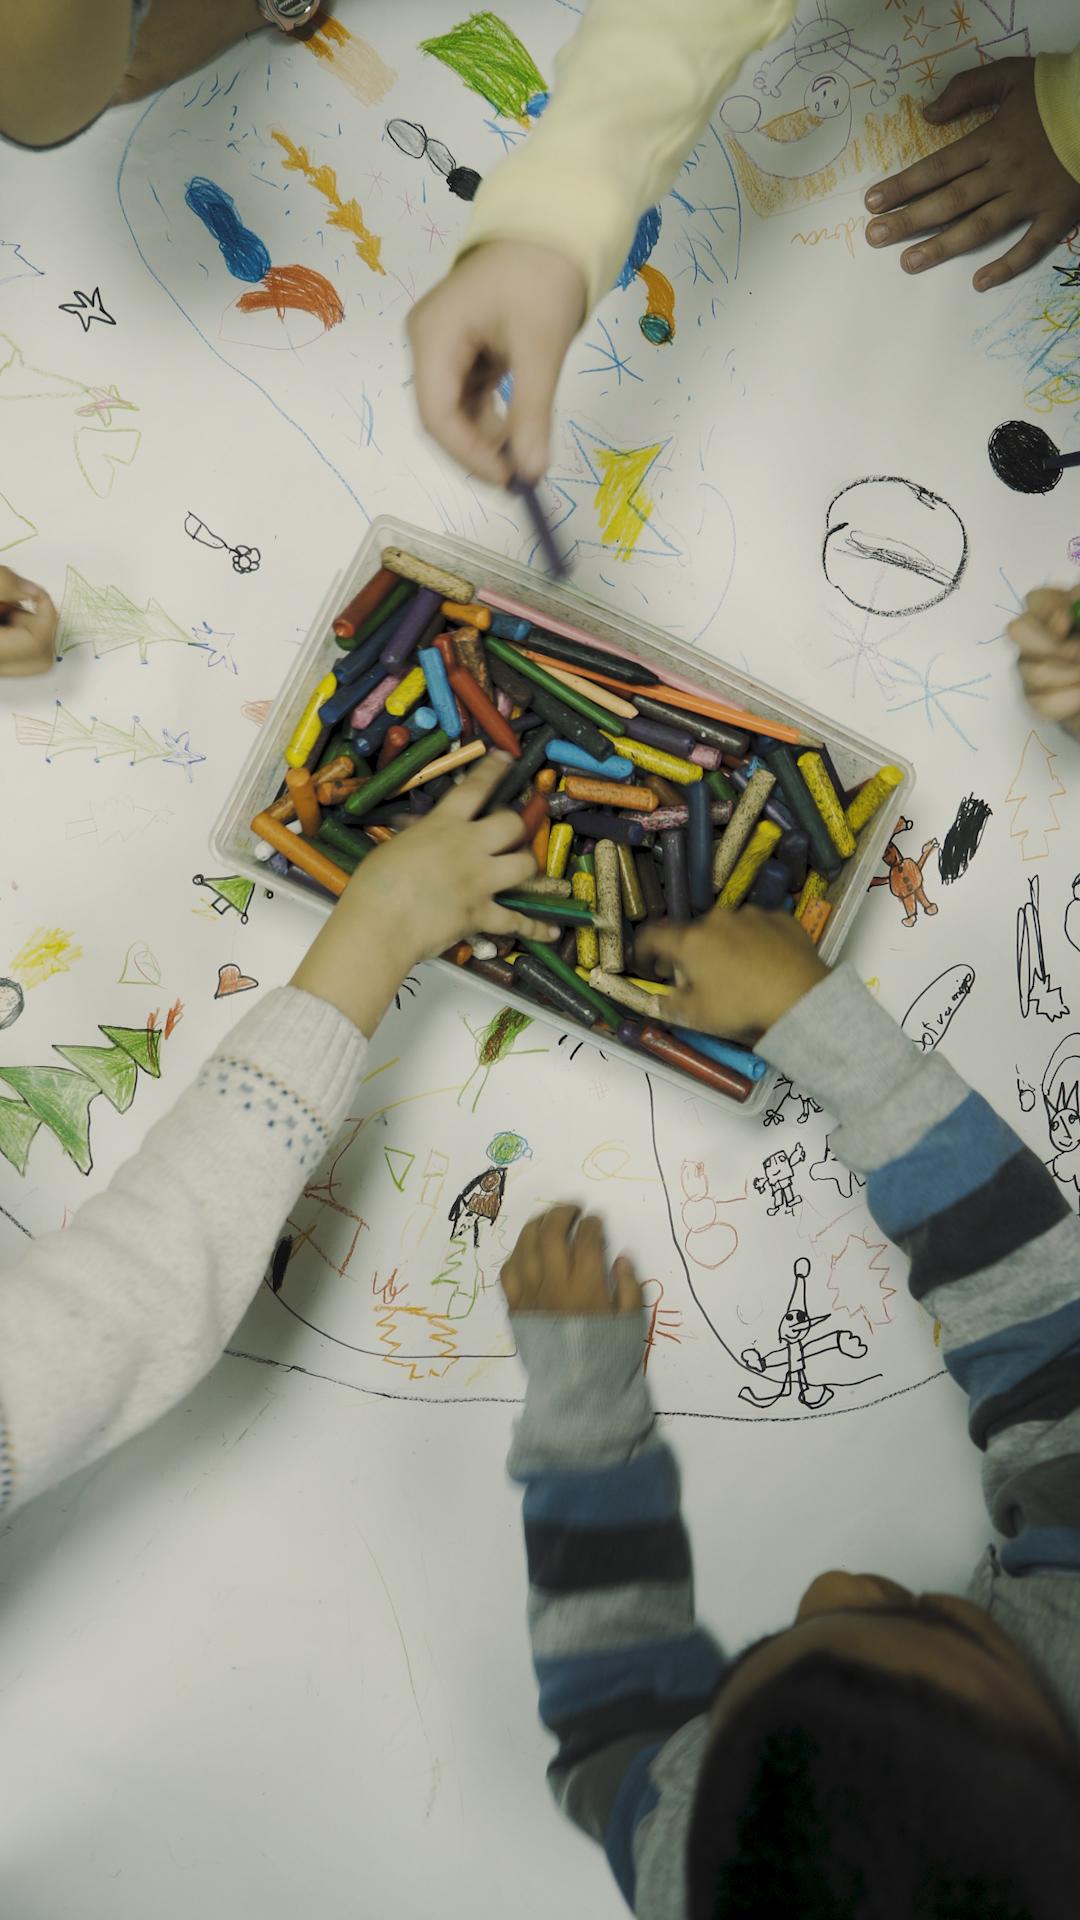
column 413, row 139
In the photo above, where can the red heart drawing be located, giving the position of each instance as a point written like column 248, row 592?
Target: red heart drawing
column 231, row 980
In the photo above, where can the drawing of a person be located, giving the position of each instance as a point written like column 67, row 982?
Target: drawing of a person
column 482, row 1198
column 777, row 1177
column 905, row 876
column 1061, row 1093
column 795, row 1349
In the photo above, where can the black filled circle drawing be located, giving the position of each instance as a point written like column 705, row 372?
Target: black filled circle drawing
column 1024, row 457
column 893, row 547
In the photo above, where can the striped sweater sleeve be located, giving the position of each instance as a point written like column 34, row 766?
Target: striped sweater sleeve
column 621, row 1665
column 994, row 1246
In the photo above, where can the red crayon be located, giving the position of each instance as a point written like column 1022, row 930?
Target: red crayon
column 395, row 742
column 532, row 813
column 484, row 712
column 369, row 597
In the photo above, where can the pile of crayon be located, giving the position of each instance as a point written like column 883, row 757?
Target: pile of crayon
column 643, row 797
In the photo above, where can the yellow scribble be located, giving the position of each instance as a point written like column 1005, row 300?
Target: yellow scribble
column 351, row 60
column 344, row 213
column 49, row 950
column 440, row 1331
column 888, row 141
column 621, row 507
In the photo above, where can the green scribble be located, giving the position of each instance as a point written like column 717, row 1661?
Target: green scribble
column 506, row 1148
column 59, row 1097
column 493, row 1043
column 489, row 57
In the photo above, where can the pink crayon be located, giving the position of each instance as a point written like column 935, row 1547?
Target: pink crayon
column 517, row 609
column 363, row 715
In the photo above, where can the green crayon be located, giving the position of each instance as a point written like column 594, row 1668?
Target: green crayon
column 561, row 913
column 568, row 696
column 401, row 768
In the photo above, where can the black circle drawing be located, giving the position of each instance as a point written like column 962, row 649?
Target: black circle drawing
column 11, row 1002
column 1019, row 452
column 893, row 547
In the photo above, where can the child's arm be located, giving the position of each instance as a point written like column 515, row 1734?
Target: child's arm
column 105, row 1325
column 553, row 225
column 624, row 1673
column 1048, row 644
column 28, row 624
column 1019, row 168
column 60, row 66
column 994, row 1245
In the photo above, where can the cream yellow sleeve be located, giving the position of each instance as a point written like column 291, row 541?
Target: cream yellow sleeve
column 1057, row 92
column 633, row 92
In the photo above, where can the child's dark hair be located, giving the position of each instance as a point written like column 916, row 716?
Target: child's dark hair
column 843, row 1793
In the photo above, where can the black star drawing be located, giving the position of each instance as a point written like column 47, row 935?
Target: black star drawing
column 88, row 309
column 1070, row 276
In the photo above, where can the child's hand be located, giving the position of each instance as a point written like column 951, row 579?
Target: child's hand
column 554, row 1269
column 509, row 307
column 735, row 973
column 28, row 622
column 1003, row 174
column 417, row 894
column 1049, row 653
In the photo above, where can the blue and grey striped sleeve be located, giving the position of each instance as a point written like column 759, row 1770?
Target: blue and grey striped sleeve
column 620, row 1663
column 993, row 1243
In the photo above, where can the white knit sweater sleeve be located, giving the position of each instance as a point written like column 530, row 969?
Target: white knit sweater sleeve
column 107, row 1324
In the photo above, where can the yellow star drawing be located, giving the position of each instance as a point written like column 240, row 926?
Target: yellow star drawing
column 914, row 22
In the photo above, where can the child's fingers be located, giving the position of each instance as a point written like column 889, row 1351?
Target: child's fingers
column 1045, row 640
column 500, row 831
column 967, row 92
column 464, row 801
column 653, row 943
column 449, row 362
column 509, row 870
column 926, row 176
column 627, row 1296
column 990, row 220
column 537, row 360
column 1053, row 607
column 1040, row 237
column 926, row 211
column 1062, row 705
column 1046, row 674
column 588, row 1267
column 499, row 920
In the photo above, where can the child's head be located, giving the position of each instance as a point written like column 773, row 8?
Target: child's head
column 1061, row 1092
column 886, row 1757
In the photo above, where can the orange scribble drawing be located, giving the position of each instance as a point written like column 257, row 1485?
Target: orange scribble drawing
column 346, row 214
column 709, row 1239
column 657, row 322
column 351, row 60
column 439, row 1330
column 662, row 1323
column 298, row 288
column 173, row 1017
column 776, row 163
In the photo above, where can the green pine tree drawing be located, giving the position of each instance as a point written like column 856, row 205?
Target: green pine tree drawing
column 59, row 1097
column 105, row 619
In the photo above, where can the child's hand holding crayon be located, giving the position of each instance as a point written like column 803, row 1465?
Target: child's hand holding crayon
column 508, row 307
column 1003, row 175
column 414, row 896
column 28, row 622
column 1047, row 640
column 735, row 973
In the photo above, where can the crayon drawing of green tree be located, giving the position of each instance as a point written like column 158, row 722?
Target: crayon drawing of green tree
column 485, row 53
column 493, row 1043
column 58, row 1098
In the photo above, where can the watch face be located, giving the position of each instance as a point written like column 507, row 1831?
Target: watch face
column 288, row 14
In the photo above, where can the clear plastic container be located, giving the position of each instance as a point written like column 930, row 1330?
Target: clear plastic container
column 260, row 777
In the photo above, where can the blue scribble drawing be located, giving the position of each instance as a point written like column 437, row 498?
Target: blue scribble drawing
column 1040, row 328
column 641, row 246
column 1011, row 608
column 242, row 251
column 931, row 695
column 14, row 264
column 610, row 360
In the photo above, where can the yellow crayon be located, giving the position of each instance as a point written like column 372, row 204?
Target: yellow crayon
column 668, row 765
column 814, row 887
column 560, row 841
column 450, row 586
column 749, row 864
column 625, row 993
column 872, row 797
column 309, row 726
column 650, row 986
column 583, row 886
column 407, row 692
column 827, row 801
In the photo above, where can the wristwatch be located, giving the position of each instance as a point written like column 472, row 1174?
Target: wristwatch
column 288, row 14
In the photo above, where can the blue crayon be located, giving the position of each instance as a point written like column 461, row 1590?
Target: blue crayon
column 771, row 887
column 350, row 666
column 564, row 753
column 725, row 1051
column 349, row 695
column 610, row 826
column 368, row 744
column 440, row 692
column 420, row 720
column 505, row 626
column 699, row 847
